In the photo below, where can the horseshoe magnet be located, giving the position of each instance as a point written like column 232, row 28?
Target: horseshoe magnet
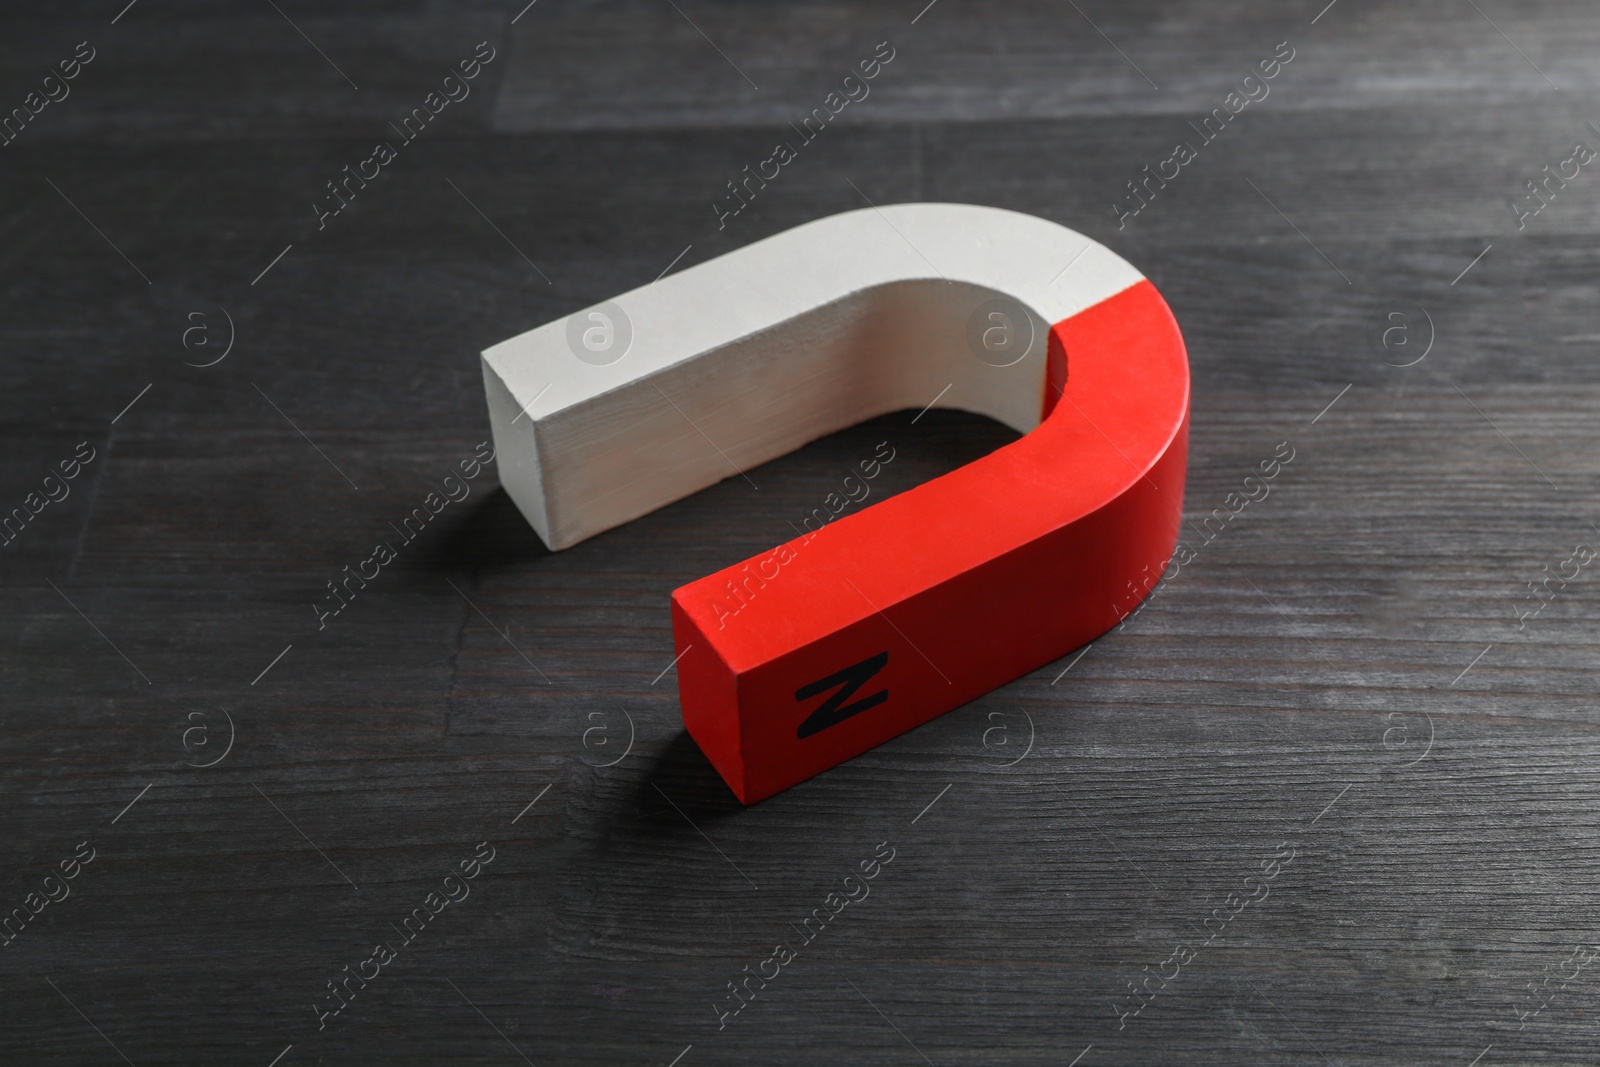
column 875, row 619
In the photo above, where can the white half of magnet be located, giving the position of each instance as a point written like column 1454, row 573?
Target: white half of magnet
column 617, row 410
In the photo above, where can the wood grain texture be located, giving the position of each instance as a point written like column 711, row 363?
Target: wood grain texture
column 1339, row 671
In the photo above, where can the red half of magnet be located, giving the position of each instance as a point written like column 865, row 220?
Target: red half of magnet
column 888, row 617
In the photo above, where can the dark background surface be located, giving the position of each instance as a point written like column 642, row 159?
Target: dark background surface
column 1304, row 681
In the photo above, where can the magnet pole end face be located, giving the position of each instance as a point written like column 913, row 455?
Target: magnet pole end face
column 868, row 624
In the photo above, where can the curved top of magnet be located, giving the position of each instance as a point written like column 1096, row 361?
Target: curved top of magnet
column 622, row 408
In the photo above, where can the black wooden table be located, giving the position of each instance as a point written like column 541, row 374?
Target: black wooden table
column 1329, row 797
